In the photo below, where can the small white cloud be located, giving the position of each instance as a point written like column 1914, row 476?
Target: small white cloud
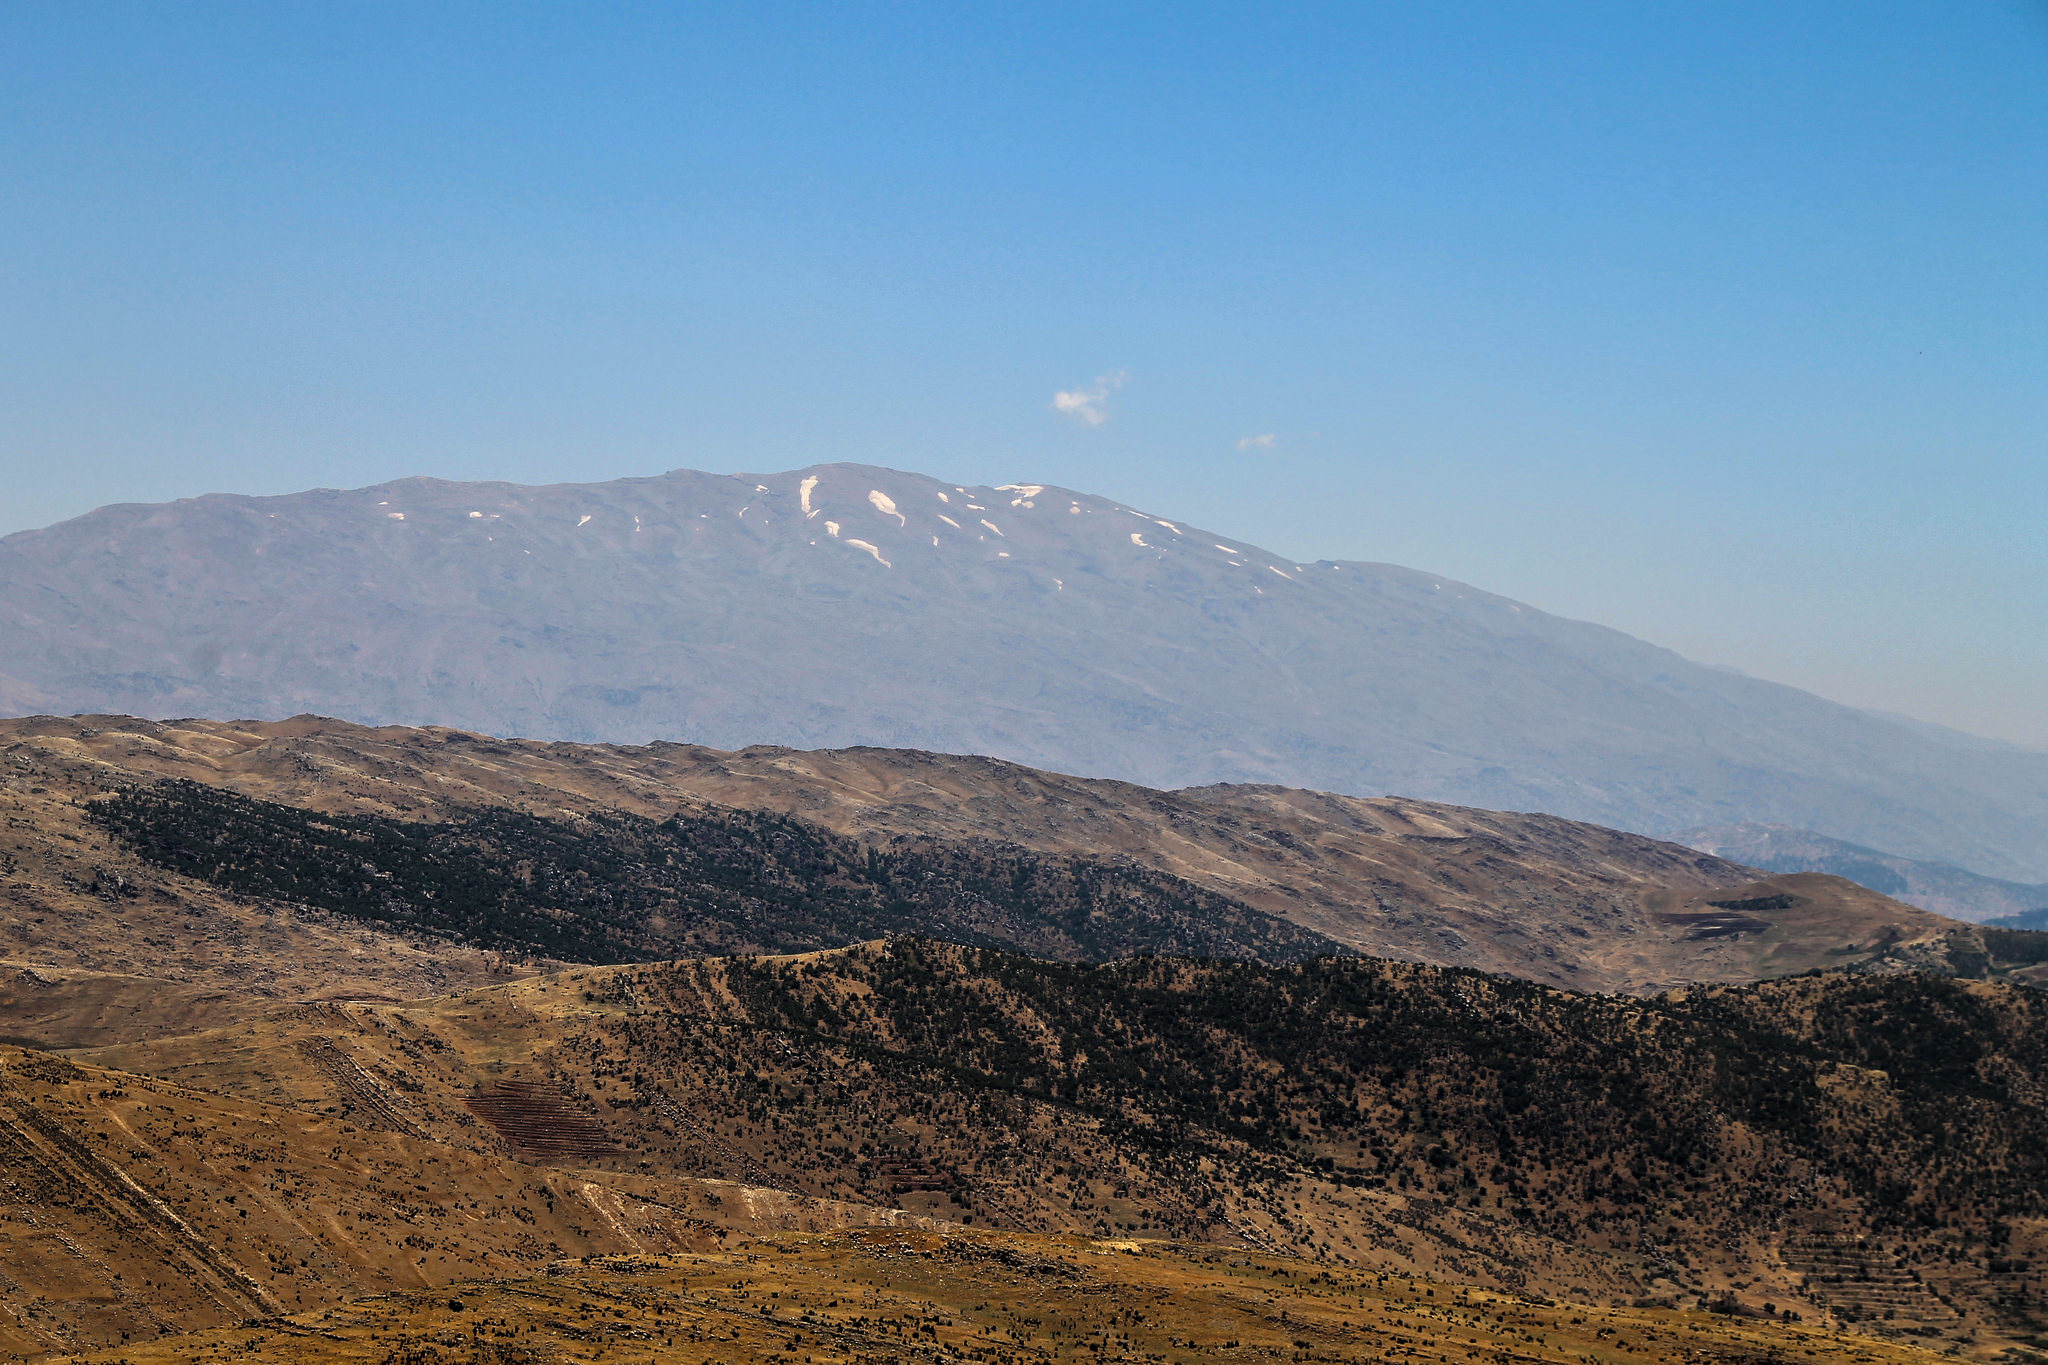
column 1089, row 407
column 1265, row 442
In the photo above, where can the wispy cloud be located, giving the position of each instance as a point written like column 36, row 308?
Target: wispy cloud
column 1089, row 407
column 1265, row 442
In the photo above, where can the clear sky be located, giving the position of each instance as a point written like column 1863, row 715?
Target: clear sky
column 1725, row 324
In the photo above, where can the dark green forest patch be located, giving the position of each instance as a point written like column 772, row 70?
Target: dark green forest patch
column 615, row 887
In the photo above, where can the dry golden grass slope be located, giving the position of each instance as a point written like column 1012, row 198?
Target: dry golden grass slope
column 696, row 1071
column 133, row 1208
column 868, row 1296
column 267, row 1112
column 286, row 1166
column 1531, row 895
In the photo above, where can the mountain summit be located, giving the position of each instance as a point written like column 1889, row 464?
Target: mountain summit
column 844, row 604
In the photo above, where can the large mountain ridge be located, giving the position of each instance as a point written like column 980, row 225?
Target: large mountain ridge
column 845, row 604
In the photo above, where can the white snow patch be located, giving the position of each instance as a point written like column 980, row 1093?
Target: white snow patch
column 803, row 493
column 886, row 505
column 1282, row 572
column 476, row 514
column 1060, row 584
column 976, row 507
column 585, row 521
column 943, row 498
column 935, row 542
column 863, row 545
column 1002, row 554
column 1227, row 550
column 1022, row 502
column 991, row 526
column 949, row 521
column 832, row 528
column 1168, row 525
column 1137, row 539
column 1022, row 490
column 760, row 488
column 1075, row 509
column 396, row 516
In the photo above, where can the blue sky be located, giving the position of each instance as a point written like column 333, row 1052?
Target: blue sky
column 1723, row 324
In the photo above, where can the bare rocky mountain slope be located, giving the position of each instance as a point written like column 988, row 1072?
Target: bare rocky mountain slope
column 844, row 605
column 1265, row 872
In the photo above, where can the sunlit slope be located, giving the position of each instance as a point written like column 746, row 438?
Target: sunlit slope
column 886, row 1295
column 1869, row 1147
column 132, row 1208
column 252, row 875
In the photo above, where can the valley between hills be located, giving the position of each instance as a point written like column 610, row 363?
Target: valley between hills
column 325, row 1042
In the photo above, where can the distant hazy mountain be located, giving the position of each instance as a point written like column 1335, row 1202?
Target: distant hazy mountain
column 1940, row 887
column 844, row 605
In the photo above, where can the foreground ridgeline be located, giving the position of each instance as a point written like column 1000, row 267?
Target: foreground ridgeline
column 322, row 1043
column 1866, row 1151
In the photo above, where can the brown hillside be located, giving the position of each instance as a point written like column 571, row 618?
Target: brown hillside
column 132, row 1208
column 1532, row 895
column 896, row 1294
column 1863, row 1147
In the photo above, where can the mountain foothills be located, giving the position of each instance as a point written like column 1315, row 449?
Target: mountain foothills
column 326, row 1042
column 844, row 605
column 299, row 842
column 1940, row 887
column 1855, row 1151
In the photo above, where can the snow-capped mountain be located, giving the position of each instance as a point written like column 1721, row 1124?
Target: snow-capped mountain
column 844, row 604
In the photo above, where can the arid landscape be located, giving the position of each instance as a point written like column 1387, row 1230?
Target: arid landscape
column 1530, row 895
column 935, row 684
column 900, row 1294
column 632, row 1049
